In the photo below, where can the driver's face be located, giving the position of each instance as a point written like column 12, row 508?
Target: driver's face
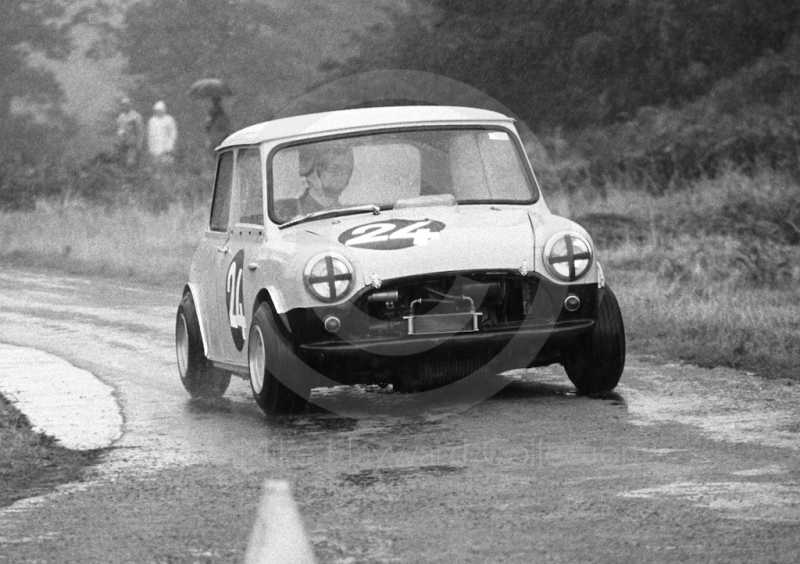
column 335, row 173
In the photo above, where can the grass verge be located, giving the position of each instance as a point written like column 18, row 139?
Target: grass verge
column 748, row 329
column 31, row 463
column 124, row 243
column 709, row 275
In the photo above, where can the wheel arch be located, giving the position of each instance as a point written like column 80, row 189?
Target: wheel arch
column 191, row 289
column 264, row 296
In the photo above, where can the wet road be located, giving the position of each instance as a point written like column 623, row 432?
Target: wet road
column 682, row 464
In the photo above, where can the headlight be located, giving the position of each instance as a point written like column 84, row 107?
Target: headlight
column 328, row 276
column 568, row 256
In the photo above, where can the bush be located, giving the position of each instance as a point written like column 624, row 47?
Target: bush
column 22, row 184
column 103, row 181
column 747, row 122
column 735, row 231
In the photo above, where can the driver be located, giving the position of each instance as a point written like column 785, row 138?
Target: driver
column 327, row 169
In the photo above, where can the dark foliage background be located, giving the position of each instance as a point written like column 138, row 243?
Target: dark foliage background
column 650, row 94
column 579, row 62
column 656, row 92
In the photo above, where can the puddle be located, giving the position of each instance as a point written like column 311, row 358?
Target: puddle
column 765, row 471
column 762, row 501
column 726, row 404
column 395, row 476
column 323, row 423
column 59, row 399
column 660, row 451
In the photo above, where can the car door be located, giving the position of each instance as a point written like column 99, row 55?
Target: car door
column 237, row 287
column 210, row 252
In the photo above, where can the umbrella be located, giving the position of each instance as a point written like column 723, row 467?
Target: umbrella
column 210, row 88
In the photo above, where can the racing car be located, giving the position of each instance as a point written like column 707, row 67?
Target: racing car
column 408, row 246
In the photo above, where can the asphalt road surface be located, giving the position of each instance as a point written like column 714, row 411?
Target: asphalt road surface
column 681, row 464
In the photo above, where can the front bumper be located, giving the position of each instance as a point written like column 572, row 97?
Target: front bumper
column 368, row 350
column 369, row 361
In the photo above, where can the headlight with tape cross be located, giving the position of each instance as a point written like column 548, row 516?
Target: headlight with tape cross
column 328, row 276
column 568, row 256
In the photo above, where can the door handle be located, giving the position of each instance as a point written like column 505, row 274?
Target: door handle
column 252, row 265
column 223, row 250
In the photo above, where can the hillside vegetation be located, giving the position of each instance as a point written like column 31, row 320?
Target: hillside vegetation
column 651, row 94
column 655, row 92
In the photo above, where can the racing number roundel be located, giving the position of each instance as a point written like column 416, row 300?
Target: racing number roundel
column 392, row 234
column 234, row 299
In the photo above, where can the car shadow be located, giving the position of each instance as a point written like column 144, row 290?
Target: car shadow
column 343, row 407
column 201, row 406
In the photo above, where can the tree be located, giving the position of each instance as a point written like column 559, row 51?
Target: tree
column 169, row 44
column 28, row 27
column 579, row 62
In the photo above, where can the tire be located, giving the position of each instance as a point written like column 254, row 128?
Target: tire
column 271, row 357
column 597, row 362
column 197, row 374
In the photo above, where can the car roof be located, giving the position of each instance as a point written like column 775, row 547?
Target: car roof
column 363, row 118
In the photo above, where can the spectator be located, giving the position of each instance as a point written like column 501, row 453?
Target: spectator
column 130, row 134
column 162, row 135
column 218, row 124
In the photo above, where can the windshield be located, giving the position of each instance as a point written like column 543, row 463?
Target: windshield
column 475, row 166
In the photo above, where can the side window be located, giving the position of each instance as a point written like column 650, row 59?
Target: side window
column 221, row 206
column 248, row 173
column 286, row 180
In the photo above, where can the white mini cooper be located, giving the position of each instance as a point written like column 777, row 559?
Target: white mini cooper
column 404, row 246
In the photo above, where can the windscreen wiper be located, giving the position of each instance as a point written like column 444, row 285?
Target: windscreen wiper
column 331, row 213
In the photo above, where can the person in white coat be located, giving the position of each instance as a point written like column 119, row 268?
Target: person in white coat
column 162, row 135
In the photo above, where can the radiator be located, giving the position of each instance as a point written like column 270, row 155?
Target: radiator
column 442, row 323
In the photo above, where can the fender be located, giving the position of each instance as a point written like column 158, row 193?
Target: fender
column 265, row 296
column 192, row 287
column 277, row 299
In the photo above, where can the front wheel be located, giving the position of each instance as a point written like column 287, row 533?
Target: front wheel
column 595, row 364
column 197, row 374
column 272, row 362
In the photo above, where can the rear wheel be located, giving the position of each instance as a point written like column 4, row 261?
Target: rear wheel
column 596, row 363
column 197, row 374
column 272, row 362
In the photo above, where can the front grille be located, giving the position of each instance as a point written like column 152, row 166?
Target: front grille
column 432, row 324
